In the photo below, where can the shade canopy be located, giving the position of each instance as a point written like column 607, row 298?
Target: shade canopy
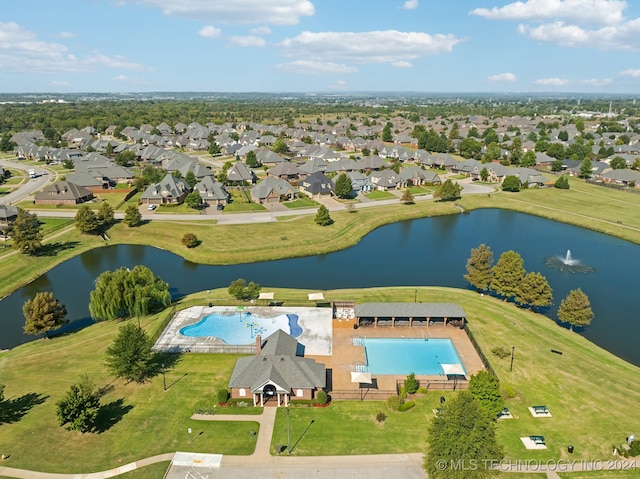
column 361, row 377
column 453, row 369
column 266, row 295
column 316, row 296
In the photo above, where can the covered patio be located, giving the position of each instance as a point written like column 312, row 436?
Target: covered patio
column 409, row 314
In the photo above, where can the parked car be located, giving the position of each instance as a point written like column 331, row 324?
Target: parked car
column 152, row 207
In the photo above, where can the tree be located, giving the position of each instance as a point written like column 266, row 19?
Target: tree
column 252, row 160
column 461, row 433
column 214, row 149
column 190, row 179
column 105, row 216
column 407, row 197
column 127, row 292
column 479, row 273
column 557, row 165
column 485, row 387
column 27, row 232
column 484, row 174
column 534, row 291
column 470, row 148
column 575, row 309
column 43, row 313
column 193, row 200
column 411, row 384
column 280, row 146
column 5, row 143
column 507, row 274
column 78, row 410
column 132, row 216
column 563, row 135
column 511, row 183
column 239, row 289
column 562, row 182
column 86, row 220
column 618, row 163
column 516, row 150
column 586, row 169
column 190, row 240
column 386, row 133
column 130, row 356
column 448, row 191
column 343, row 186
column 126, row 158
column 322, row 216
column 528, row 160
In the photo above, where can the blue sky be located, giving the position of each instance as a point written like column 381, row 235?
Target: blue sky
column 320, row 46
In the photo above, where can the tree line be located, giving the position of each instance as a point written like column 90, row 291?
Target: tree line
column 508, row 279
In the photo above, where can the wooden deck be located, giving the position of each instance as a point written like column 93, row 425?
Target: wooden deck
column 345, row 356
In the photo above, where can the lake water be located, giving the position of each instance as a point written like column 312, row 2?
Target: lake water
column 429, row 251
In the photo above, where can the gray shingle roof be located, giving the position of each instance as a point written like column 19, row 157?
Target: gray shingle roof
column 414, row 310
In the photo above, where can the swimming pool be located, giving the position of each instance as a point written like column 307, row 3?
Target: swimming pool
column 423, row 357
column 242, row 327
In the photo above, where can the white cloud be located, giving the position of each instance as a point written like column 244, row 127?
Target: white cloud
column 120, row 78
column 552, row 82
column 410, row 5
column 625, row 37
column 130, row 80
column 260, row 31
column 66, row 34
column 402, row 64
column 307, row 67
column 22, row 51
column 209, row 32
column 274, row 12
column 596, row 12
column 502, row 77
column 61, row 83
column 633, row 73
column 597, row 82
column 367, row 47
column 340, row 85
column 247, row 41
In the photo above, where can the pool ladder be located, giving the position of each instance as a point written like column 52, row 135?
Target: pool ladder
column 357, row 341
column 361, row 368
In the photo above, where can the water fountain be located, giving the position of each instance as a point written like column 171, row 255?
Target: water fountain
column 568, row 263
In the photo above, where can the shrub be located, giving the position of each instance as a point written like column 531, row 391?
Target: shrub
column 634, row 448
column 422, row 390
column 403, row 393
column 501, row 352
column 322, row 398
column 190, row 240
column 380, row 416
column 223, row 396
column 394, row 402
column 411, row 383
column 562, row 183
column 508, row 392
column 405, row 406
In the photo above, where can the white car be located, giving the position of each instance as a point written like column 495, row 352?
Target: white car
column 152, row 207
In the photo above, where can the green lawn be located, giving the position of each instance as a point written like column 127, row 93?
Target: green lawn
column 301, row 203
column 380, row 195
column 588, row 391
column 174, row 209
column 420, row 190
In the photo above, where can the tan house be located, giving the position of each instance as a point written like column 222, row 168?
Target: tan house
column 63, row 192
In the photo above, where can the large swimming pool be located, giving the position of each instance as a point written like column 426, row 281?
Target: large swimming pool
column 242, row 327
column 424, row 357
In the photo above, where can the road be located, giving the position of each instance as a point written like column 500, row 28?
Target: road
column 31, row 186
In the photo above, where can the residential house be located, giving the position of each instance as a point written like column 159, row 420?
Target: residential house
column 360, row 183
column 212, row 192
column 240, row 173
column 317, row 185
column 386, row 180
column 170, row 190
column 624, row 177
column 371, row 163
column 267, row 157
column 63, row 192
column 416, row 176
column 278, row 372
column 273, row 190
column 8, row 214
column 286, row 171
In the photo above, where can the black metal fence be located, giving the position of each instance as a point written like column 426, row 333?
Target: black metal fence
column 484, row 359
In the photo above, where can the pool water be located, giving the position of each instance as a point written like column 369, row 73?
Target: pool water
column 403, row 356
column 242, row 327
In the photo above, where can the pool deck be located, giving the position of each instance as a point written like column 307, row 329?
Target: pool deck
column 316, row 327
column 346, row 356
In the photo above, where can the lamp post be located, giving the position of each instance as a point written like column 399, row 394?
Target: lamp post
column 513, row 350
column 288, row 434
column 415, row 295
column 164, row 378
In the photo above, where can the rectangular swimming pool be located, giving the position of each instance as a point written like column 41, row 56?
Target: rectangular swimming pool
column 423, row 357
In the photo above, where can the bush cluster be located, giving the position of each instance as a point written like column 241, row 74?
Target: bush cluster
column 501, row 352
column 223, row 396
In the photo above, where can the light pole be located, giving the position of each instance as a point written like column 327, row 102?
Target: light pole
column 513, row 350
column 415, row 296
column 288, row 434
column 164, row 378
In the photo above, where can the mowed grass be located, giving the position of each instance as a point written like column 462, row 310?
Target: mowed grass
column 590, row 393
column 380, row 195
column 141, row 419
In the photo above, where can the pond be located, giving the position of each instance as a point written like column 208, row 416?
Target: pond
column 429, row 251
